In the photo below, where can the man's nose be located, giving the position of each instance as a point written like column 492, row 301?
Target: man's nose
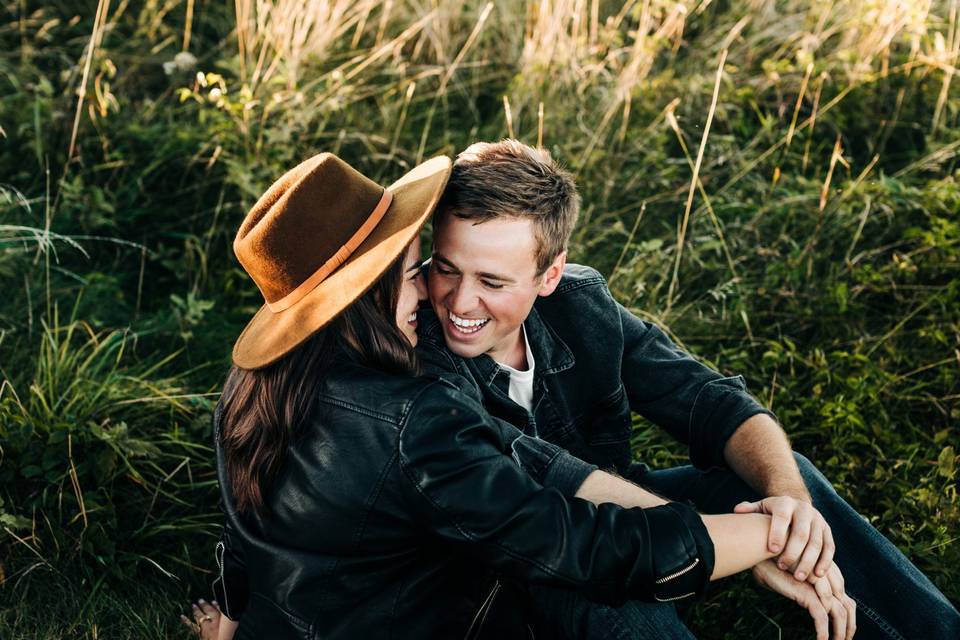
column 462, row 298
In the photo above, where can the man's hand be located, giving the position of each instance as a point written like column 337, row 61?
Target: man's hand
column 824, row 599
column 799, row 531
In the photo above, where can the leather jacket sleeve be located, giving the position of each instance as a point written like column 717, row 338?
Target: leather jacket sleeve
column 695, row 404
column 464, row 487
column 549, row 464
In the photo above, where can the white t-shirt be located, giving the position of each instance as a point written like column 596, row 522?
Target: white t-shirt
column 521, row 382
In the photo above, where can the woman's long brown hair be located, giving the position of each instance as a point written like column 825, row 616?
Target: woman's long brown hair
column 265, row 409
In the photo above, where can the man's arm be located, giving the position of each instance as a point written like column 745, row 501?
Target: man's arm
column 601, row 487
column 759, row 452
column 694, row 403
column 722, row 424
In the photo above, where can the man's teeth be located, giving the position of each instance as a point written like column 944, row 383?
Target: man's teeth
column 468, row 326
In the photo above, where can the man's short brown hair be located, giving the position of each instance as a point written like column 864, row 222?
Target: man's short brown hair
column 512, row 180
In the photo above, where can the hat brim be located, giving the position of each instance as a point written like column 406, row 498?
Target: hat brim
column 270, row 335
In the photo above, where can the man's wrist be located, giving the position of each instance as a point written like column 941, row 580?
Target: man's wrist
column 789, row 491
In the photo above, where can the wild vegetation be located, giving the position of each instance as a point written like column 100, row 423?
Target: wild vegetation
column 774, row 182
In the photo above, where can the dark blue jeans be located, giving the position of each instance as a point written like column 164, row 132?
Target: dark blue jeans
column 894, row 600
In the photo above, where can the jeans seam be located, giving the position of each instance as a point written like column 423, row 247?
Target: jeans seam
column 879, row 620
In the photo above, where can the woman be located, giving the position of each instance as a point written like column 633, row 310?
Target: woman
column 361, row 500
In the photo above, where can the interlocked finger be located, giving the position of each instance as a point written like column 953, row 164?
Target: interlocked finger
column 829, row 548
column 835, row 578
column 779, row 528
column 796, row 543
column 810, row 554
column 838, row 614
column 832, row 606
column 811, row 602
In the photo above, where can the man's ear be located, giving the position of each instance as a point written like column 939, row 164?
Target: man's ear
column 551, row 277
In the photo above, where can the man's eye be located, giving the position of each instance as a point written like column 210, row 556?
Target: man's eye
column 491, row 285
column 441, row 270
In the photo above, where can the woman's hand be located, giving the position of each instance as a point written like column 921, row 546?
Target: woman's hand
column 824, row 598
column 206, row 620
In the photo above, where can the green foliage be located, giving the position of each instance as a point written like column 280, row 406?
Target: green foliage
column 820, row 254
column 92, row 442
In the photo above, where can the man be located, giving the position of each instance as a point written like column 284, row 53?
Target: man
column 550, row 351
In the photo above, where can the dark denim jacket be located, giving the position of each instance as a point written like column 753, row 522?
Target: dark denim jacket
column 595, row 362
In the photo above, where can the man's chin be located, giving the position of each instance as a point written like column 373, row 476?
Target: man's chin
column 461, row 349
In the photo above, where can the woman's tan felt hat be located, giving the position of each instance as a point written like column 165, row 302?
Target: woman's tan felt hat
column 318, row 239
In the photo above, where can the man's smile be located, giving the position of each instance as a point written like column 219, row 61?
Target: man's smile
column 465, row 326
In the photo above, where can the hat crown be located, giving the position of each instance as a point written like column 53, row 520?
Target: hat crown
column 301, row 224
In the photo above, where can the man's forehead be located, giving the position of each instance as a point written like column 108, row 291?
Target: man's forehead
column 500, row 246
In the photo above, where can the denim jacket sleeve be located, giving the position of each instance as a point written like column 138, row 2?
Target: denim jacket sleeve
column 550, row 465
column 547, row 463
column 464, row 488
column 668, row 386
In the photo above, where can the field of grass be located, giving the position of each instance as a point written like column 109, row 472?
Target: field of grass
column 775, row 183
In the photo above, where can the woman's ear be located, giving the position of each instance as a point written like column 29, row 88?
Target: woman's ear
column 551, row 277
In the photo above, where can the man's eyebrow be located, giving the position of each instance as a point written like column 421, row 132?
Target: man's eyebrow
column 439, row 258
column 483, row 274
column 494, row 276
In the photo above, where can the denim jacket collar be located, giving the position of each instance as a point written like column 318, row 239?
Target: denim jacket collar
column 550, row 352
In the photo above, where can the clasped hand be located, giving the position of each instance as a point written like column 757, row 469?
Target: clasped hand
column 797, row 529
column 804, row 571
column 824, row 598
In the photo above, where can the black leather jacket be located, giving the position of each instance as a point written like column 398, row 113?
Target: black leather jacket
column 396, row 498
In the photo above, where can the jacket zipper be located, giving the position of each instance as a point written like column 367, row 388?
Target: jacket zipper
column 481, row 615
column 218, row 554
column 677, row 574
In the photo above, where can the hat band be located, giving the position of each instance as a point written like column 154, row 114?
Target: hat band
column 338, row 258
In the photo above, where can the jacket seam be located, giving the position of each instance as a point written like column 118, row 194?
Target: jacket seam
column 567, row 287
column 619, row 392
column 374, row 496
column 532, row 471
column 696, row 399
column 370, row 413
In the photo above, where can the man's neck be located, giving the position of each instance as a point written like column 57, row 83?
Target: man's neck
column 516, row 355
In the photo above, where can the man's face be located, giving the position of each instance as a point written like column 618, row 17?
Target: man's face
column 483, row 282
